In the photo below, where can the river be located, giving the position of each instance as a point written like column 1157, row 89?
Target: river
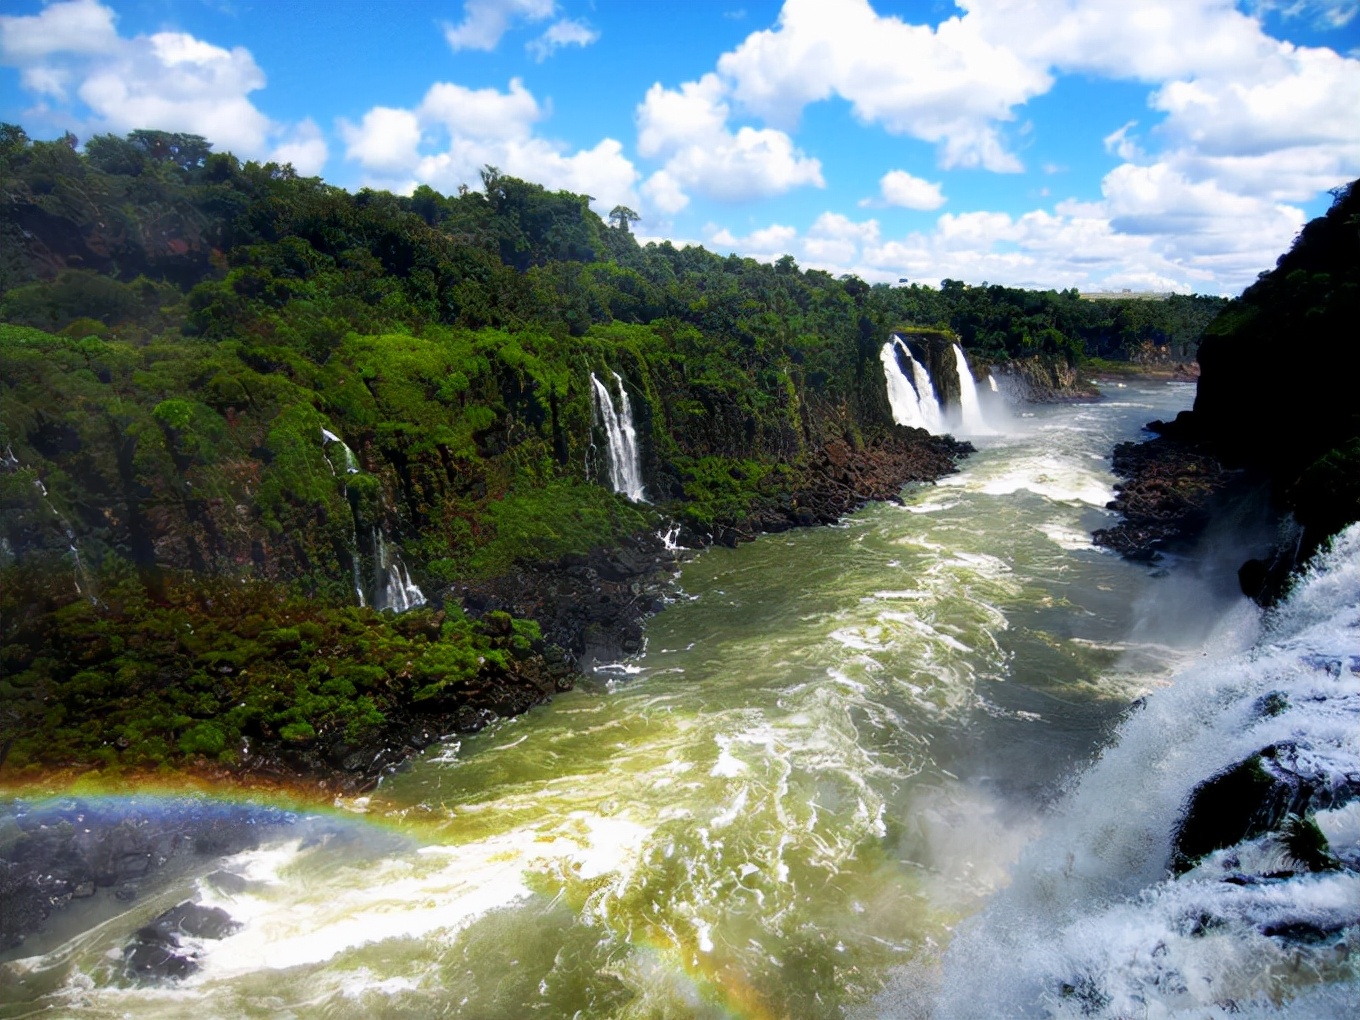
column 830, row 756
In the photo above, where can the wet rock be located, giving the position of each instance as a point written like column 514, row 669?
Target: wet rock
column 71, row 849
column 1252, row 798
column 159, row 952
column 1165, row 497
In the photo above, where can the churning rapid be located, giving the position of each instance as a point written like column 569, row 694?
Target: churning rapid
column 838, row 782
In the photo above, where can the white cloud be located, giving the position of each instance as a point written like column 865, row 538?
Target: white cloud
column 480, row 113
column 565, row 32
column 687, row 128
column 1324, row 14
column 664, row 192
column 304, row 146
column 947, row 85
column 900, row 188
column 1153, row 229
column 485, row 21
column 454, row 131
column 1242, row 124
column 81, row 26
column 168, row 81
column 767, row 244
column 387, row 140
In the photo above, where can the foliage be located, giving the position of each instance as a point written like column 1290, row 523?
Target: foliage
column 207, row 669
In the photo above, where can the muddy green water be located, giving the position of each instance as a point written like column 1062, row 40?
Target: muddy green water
column 834, row 744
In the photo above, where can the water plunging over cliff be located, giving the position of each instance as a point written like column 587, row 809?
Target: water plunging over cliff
column 925, row 393
column 831, row 753
column 625, row 464
column 912, row 399
column 969, row 408
column 906, row 409
column 393, row 587
column 1092, row 925
column 351, row 467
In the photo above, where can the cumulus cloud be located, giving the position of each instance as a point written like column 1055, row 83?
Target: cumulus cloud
column 1153, row 229
column 899, row 188
column 485, row 21
column 1241, row 123
column 688, row 129
column 454, row 131
column 70, row 54
column 559, row 34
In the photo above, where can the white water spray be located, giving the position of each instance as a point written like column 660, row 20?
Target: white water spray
column 625, row 464
column 971, row 411
column 1092, row 926
column 925, row 394
column 394, row 588
column 912, row 399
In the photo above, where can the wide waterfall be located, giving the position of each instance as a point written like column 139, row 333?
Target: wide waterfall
column 625, row 464
column 970, row 409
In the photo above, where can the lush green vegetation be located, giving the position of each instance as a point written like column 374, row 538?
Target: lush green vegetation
column 1277, row 366
column 201, row 670
column 180, row 331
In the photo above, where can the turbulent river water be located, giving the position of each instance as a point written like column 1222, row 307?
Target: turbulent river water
column 826, row 764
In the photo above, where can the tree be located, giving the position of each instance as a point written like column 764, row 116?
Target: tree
column 621, row 218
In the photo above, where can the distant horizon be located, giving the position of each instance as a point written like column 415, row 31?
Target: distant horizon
column 1168, row 146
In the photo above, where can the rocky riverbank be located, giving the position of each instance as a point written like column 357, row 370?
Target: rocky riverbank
column 1164, row 498
column 592, row 607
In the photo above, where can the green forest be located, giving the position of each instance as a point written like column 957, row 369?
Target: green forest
column 231, row 394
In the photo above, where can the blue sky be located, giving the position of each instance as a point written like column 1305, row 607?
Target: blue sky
column 1156, row 144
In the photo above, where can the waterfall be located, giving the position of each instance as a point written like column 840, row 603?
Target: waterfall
column 906, row 410
column 925, row 392
column 393, row 588
column 669, row 536
column 351, row 461
column 968, row 397
column 80, row 572
column 912, row 399
column 351, row 468
column 625, row 466
column 1094, row 924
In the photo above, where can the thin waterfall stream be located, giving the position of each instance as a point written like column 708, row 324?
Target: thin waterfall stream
column 839, row 782
column 624, row 461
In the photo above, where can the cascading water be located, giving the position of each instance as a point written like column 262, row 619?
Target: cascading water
column 625, row 464
column 81, row 577
column 393, row 587
column 913, row 399
column 969, row 408
column 906, row 409
column 925, row 392
column 836, row 745
column 1092, row 927
column 351, row 466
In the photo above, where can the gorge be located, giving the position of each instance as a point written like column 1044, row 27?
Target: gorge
column 451, row 605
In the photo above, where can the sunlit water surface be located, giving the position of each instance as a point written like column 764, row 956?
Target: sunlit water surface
column 836, row 742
